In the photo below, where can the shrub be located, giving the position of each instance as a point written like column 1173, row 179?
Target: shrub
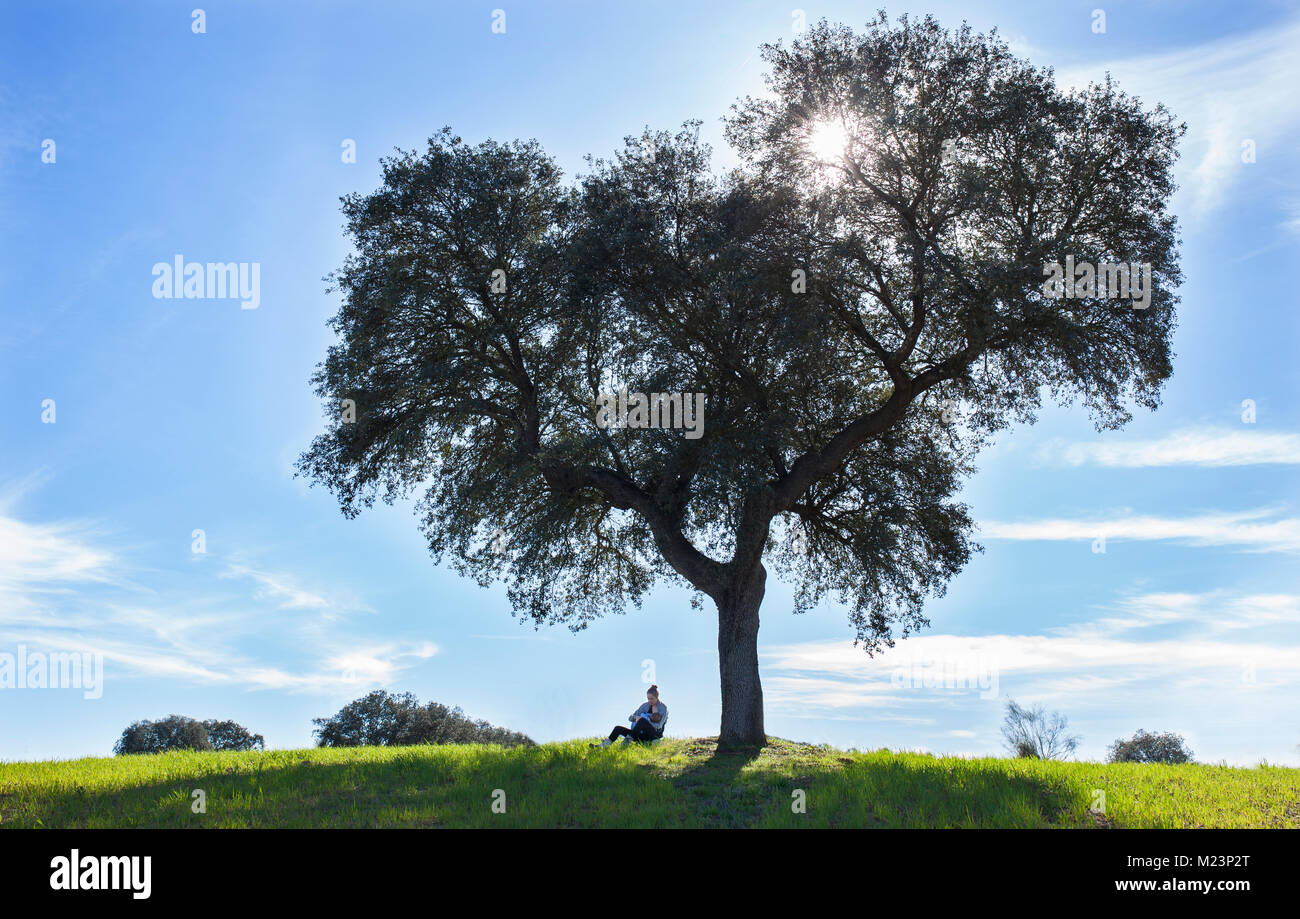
column 177, row 732
column 1144, row 747
column 380, row 719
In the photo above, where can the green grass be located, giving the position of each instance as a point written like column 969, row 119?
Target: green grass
column 673, row 783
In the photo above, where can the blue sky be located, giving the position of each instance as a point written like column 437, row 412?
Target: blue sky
column 177, row 415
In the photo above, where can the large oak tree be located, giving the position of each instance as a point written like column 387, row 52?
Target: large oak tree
column 861, row 301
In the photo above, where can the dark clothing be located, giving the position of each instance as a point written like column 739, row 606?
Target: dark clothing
column 643, row 730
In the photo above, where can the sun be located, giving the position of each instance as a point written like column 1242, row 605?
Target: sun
column 828, row 141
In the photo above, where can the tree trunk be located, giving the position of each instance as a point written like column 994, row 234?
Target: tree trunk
column 742, row 693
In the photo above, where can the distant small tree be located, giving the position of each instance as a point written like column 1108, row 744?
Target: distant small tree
column 177, row 732
column 227, row 735
column 1033, row 733
column 1146, row 747
column 383, row 720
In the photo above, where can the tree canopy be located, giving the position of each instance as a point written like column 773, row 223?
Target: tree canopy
column 381, row 719
column 1150, row 747
column 177, row 732
column 860, row 314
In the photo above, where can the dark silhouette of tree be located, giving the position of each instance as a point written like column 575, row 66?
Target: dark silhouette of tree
column 1033, row 733
column 1144, row 747
column 177, row 732
column 380, row 719
column 227, row 735
column 861, row 317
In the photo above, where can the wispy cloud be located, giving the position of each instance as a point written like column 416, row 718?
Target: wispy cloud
column 1053, row 653
column 63, row 589
column 1228, row 91
column 1249, row 530
column 1094, row 658
column 344, row 667
column 45, row 556
column 378, row 664
column 278, row 588
column 1188, row 447
column 1211, row 613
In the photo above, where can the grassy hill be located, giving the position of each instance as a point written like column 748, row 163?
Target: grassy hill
column 674, row 783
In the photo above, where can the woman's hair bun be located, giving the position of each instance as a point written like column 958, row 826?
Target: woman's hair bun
column 654, row 687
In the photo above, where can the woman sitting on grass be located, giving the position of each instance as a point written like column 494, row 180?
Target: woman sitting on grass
column 647, row 721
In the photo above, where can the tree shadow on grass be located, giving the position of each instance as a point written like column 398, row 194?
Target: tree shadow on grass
column 711, row 783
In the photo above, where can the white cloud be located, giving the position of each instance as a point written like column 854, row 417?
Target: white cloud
column 1250, row 530
column 48, row 555
column 378, row 664
column 1092, row 660
column 1011, row 654
column 1228, row 91
column 62, row 589
column 278, row 588
column 344, row 669
column 284, row 591
column 1213, row 447
column 1213, row 612
column 826, row 692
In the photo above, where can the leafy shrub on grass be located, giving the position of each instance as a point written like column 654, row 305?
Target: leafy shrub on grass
column 1145, row 747
column 380, row 719
column 177, row 732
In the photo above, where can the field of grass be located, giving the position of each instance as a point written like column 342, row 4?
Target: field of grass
column 673, row 783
